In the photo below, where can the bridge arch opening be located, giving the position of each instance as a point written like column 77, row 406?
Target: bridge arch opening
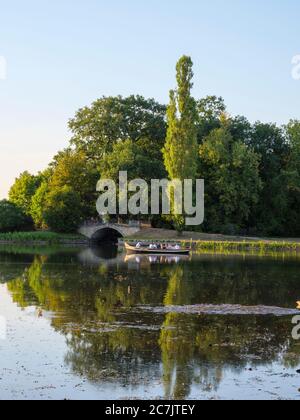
column 106, row 236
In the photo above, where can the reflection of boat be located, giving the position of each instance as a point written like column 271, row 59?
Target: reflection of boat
column 132, row 249
column 155, row 259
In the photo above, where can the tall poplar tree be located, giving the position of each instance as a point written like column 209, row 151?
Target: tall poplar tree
column 181, row 147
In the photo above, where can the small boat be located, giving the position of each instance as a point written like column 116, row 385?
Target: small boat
column 132, row 249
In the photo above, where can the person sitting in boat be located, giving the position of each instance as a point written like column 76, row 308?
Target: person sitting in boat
column 177, row 247
column 138, row 245
column 153, row 246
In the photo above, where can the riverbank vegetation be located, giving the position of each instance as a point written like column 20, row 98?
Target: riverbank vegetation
column 261, row 247
column 50, row 238
column 251, row 170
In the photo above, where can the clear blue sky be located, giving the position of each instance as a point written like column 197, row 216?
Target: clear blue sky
column 63, row 54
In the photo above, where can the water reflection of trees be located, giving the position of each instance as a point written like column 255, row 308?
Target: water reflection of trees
column 95, row 308
column 196, row 349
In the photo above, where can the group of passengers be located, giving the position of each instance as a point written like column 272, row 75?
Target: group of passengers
column 154, row 246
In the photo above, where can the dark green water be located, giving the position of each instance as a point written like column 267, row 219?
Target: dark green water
column 91, row 324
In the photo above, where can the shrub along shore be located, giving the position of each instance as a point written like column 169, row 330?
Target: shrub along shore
column 248, row 247
column 48, row 238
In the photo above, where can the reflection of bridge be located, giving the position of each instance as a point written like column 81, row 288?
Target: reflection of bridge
column 101, row 232
column 99, row 256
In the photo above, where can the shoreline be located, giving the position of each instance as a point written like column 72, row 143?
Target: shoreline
column 262, row 247
column 200, row 243
column 40, row 238
column 15, row 242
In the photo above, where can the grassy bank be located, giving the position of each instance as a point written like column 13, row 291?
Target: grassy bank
column 49, row 238
column 263, row 247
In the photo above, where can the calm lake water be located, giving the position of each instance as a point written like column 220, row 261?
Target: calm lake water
column 95, row 324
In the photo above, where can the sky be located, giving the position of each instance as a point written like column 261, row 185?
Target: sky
column 59, row 55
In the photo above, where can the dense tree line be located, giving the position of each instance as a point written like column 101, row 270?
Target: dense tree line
column 251, row 171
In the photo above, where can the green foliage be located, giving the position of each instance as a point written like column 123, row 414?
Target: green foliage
column 72, row 168
column 39, row 237
column 37, row 205
column 270, row 143
column 292, row 131
column 180, row 151
column 292, row 179
column 23, row 190
column 230, row 169
column 12, row 218
column 260, row 247
column 62, row 211
column 112, row 119
column 136, row 158
column 69, row 171
column 210, row 110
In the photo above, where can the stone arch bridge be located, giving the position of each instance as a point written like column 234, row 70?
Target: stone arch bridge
column 108, row 232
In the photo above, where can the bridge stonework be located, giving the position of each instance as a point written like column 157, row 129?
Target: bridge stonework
column 89, row 231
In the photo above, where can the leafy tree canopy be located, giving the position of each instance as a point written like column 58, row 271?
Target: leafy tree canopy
column 112, row 119
column 37, row 205
column 135, row 158
column 62, row 210
column 230, row 169
column 72, row 168
column 23, row 190
column 210, row 110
